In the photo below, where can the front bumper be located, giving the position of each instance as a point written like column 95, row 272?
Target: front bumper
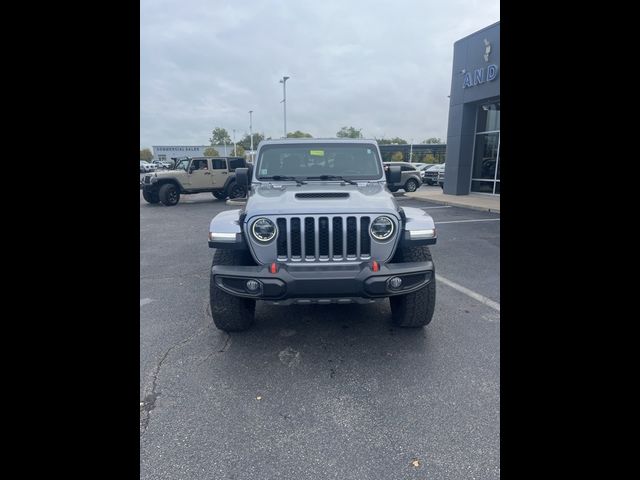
column 306, row 281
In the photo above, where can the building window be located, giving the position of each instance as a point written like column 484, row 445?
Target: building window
column 162, row 158
column 485, row 173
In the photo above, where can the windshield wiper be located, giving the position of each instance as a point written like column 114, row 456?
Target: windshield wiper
column 332, row 177
column 282, row 177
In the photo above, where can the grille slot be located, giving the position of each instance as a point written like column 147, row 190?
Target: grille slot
column 296, row 238
column 309, row 237
column 323, row 236
column 365, row 239
column 282, row 237
column 337, row 237
column 352, row 237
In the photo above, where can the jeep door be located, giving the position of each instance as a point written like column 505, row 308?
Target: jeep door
column 219, row 172
column 199, row 177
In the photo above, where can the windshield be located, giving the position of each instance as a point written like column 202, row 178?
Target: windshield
column 182, row 164
column 354, row 161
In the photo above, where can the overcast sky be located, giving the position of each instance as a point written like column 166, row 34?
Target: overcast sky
column 380, row 66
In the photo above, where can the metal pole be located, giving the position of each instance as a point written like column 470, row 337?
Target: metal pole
column 284, row 102
column 234, row 143
column 251, row 133
column 411, row 151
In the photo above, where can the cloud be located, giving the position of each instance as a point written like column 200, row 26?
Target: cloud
column 383, row 67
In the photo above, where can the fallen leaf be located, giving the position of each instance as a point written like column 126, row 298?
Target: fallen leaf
column 258, row 397
column 415, row 462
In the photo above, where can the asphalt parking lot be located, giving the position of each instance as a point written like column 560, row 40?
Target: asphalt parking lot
column 322, row 391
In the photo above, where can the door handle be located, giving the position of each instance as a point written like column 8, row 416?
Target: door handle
column 223, row 173
column 207, row 173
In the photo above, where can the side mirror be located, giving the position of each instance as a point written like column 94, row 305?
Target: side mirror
column 192, row 169
column 395, row 174
column 242, row 177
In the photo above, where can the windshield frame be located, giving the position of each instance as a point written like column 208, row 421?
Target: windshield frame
column 296, row 147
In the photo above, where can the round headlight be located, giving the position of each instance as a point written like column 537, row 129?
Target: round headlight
column 381, row 228
column 264, row 229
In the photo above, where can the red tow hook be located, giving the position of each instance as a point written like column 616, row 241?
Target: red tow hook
column 273, row 268
column 375, row 266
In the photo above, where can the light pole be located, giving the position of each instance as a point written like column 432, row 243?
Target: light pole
column 411, row 151
column 283, row 81
column 234, row 143
column 251, row 133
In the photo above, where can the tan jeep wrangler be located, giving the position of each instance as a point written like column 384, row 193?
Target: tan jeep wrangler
column 195, row 175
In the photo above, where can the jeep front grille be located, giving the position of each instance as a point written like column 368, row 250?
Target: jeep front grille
column 323, row 238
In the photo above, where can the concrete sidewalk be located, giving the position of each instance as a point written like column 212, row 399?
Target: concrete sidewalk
column 487, row 203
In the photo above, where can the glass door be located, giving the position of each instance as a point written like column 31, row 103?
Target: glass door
column 485, row 173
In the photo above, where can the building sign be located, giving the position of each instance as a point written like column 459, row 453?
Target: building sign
column 178, row 149
column 481, row 75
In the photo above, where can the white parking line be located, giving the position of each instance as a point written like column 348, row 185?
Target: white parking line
column 431, row 208
column 476, row 296
column 144, row 301
column 465, row 221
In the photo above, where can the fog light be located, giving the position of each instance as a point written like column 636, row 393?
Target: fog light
column 395, row 282
column 252, row 285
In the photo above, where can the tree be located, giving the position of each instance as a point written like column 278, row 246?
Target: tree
column 211, row 152
column 246, row 141
column 397, row 157
column 145, row 154
column 219, row 136
column 398, row 140
column 349, row 132
column 432, row 140
column 239, row 150
column 299, row 134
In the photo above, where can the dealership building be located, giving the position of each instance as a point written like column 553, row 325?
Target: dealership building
column 473, row 135
column 167, row 152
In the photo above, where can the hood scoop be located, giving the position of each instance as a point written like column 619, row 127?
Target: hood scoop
column 322, row 195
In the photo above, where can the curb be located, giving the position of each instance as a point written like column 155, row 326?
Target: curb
column 453, row 204
column 234, row 202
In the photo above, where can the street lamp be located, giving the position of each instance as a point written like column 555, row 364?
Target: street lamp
column 234, row 143
column 251, row 133
column 283, row 81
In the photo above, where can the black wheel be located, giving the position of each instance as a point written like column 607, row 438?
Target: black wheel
column 442, row 186
column 169, row 194
column 392, row 189
column 150, row 197
column 411, row 185
column 236, row 191
column 429, row 182
column 414, row 309
column 231, row 314
column 219, row 195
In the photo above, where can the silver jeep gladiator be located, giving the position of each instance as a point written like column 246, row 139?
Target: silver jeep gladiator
column 320, row 226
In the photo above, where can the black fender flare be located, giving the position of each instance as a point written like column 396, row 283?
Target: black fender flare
column 164, row 181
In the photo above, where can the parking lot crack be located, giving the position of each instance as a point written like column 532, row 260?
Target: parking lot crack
column 149, row 401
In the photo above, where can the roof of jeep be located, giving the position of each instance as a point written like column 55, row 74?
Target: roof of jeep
column 281, row 141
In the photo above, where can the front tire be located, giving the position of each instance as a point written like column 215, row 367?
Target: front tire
column 150, row 197
column 392, row 189
column 169, row 194
column 230, row 313
column 236, row 191
column 411, row 185
column 415, row 309
column 219, row 195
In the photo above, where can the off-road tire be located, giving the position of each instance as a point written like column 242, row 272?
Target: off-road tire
column 219, row 195
column 230, row 313
column 150, row 197
column 414, row 309
column 411, row 185
column 236, row 191
column 169, row 194
column 393, row 189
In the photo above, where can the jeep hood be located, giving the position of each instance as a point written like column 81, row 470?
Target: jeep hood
column 320, row 197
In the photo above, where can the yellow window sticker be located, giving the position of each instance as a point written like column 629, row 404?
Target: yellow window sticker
column 319, row 153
